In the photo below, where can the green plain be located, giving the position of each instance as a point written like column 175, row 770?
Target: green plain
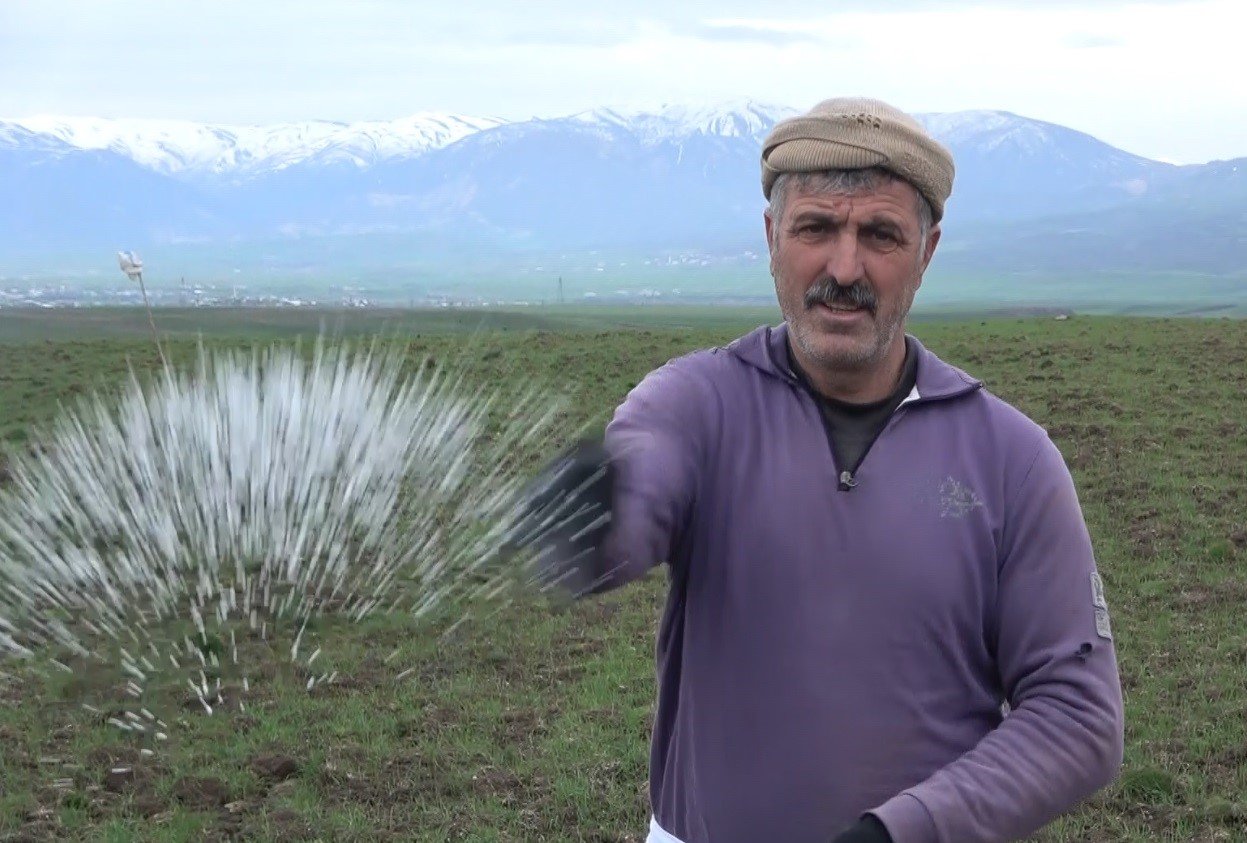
column 534, row 725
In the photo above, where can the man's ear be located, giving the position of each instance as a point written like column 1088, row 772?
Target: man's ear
column 933, row 240
column 768, row 224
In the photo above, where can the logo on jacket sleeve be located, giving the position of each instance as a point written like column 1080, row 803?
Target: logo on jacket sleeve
column 1100, row 602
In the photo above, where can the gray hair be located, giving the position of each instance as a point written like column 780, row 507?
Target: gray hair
column 843, row 183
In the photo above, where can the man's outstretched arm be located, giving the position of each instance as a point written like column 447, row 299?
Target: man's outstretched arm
column 604, row 513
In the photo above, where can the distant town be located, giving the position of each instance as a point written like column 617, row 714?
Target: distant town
column 565, row 279
column 67, row 295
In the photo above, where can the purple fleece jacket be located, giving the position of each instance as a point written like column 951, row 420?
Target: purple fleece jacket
column 828, row 652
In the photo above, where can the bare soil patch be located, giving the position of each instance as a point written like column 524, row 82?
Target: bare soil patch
column 275, row 768
column 201, row 792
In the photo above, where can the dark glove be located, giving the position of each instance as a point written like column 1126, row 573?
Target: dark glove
column 869, row 829
column 562, row 517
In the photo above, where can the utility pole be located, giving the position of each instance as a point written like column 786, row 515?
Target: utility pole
column 560, row 289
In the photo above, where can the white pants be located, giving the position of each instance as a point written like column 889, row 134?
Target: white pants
column 658, row 834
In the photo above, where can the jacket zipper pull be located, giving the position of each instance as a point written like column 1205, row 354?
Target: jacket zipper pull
column 847, row 481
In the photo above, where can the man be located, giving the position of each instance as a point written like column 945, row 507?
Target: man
column 871, row 557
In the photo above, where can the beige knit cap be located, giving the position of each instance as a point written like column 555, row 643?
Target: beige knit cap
column 852, row 133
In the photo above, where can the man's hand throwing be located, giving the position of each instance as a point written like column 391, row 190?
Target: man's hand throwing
column 866, row 830
column 563, row 516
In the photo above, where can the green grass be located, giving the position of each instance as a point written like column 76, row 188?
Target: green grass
column 534, row 724
column 24, row 325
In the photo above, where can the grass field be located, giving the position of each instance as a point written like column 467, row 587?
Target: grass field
column 534, row 725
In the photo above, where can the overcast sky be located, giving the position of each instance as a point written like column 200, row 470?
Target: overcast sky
column 1161, row 79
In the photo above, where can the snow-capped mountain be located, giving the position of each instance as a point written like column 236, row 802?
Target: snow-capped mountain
column 991, row 130
column 1038, row 168
column 679, row 176
column 740, row 119
column 178, row 147
column 183, row 148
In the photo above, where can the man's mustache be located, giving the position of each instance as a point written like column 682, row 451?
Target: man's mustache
column 827, row 291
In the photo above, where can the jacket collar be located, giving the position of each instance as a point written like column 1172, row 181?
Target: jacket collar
column 766, row 349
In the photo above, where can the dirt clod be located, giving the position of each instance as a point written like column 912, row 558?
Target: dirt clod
column 285, row 824
column 275, row 767
column 201, row 792
column 120, row 779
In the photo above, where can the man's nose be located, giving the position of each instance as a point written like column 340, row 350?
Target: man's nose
column 844, row 262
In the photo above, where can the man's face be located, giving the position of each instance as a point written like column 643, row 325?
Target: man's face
column 846, row 269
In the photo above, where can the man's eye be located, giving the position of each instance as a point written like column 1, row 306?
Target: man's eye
column 882, row 238
column 812, row 228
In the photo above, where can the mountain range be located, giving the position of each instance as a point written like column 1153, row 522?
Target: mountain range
column 438, row 189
